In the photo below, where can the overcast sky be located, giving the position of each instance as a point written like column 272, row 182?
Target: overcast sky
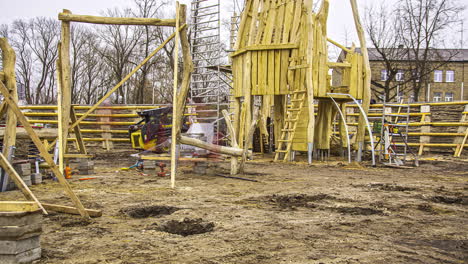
column 340, row 19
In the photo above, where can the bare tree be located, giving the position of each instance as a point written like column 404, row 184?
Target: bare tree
column 423, row 25
column 382, row 30
column 405, row 38
column 149, row 37
column 119, row 43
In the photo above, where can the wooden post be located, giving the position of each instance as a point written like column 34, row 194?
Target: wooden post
column 77, row 131
column 309, row 79
column 64, row 87
column 60, row 124
column 175, row 114
column 42, row 150
column 232, row 134
column 461, row 129
column 9, row 60
column 188, row 67
column 278, row 118
column 367, row 75
column 249, row 137
column 425, row 129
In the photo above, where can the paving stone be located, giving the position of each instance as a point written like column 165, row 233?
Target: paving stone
column 23, row 257
column 36, row 178
column 19, row 246
column 20, row 218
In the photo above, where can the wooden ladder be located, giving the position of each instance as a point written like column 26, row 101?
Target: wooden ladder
column 290, row 123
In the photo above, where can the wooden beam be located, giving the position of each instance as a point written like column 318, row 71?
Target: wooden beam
column 180, row 159
column 339, row 64
column 367, row 74
column 264, row 48
column 17, row 206
column 338, row 45
column 42, row 150
column 211, row 147
column 71, row 210
column 111, row 91
column 68, row 17
column 175, row 114
column 3, row 109
column 19, row 182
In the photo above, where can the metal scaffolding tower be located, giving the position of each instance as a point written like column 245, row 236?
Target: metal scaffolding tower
column 206, row 85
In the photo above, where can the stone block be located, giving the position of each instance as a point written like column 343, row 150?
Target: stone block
column 22, row 166
column 149, row 164
column 20, row 218
column 14, row 247
column 23, row 257
column 36, row 178
column 87, row 172
column 20, row 236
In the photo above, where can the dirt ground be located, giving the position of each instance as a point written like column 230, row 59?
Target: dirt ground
column 293, row 213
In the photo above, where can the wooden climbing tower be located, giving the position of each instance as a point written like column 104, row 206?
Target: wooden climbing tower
column 281, row 56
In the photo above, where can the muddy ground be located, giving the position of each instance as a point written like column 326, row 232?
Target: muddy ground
column 294, row 213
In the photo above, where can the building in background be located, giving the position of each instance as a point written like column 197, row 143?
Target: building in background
column 397, row 73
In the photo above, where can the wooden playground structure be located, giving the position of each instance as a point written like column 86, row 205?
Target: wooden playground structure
column 281, row 72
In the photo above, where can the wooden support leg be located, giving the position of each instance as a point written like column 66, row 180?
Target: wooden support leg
column 42, row 150
column 249, row 138
column 232, row 134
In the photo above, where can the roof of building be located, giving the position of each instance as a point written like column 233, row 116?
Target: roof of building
column 404, row 54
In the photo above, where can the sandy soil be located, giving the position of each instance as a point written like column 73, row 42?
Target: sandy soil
column 294, row 213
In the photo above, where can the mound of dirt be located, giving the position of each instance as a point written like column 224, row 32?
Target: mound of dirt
column 71, row 222
column 358, row 210
column 297, row 200
column 187, row 227
column 148, row 211
column 390, row 187
column 450, row 200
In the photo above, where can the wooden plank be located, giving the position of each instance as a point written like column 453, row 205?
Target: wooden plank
column 271, row 73
column 288, row 18
column 243, row 27
column 19, row 181
column 16, row 206
column 42, row 150
column 264, row 8
column 69, row 17
column 71, row 210
column 256, row 70
column 253, row 23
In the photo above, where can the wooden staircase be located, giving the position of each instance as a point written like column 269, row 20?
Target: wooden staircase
column 293, row 113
